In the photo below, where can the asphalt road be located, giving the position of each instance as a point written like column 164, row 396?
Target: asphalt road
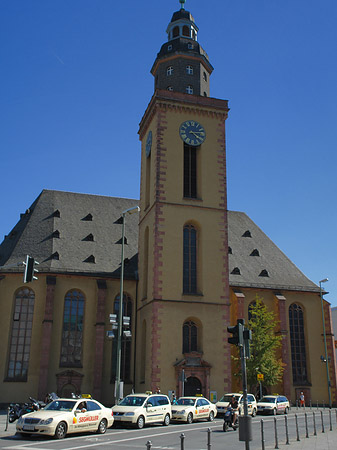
column 196, row 436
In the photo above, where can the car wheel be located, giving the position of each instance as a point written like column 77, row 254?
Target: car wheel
column 274, row 412
column 286, row 410
column 190, row 418
column 254, row 412
column 61, row 430
column 102, row 426
column 140, row 422
column 167, row 420
column 211, row 416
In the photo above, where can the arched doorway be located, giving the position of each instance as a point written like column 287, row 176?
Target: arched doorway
column 192, row 386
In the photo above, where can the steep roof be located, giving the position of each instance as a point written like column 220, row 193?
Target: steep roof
column 255, row 261
column 80, row 233
column 74, row 233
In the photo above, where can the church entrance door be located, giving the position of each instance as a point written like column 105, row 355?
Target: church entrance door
column 192, row 386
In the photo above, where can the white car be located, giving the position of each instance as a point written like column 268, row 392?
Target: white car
column 273, row 404
column 189, row 409
column 64, row 415
column 141, row 409
column 224, row 401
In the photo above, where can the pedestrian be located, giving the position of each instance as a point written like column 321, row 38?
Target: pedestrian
column 174, row 400
column 302, row 400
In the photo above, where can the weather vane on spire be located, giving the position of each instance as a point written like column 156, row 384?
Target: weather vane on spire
column 182, row 3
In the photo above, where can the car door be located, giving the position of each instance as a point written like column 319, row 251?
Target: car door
column 94, row 414
column 152, row 412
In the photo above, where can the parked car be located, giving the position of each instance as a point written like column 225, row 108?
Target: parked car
column 189, row 409
column 224, row 401
column 141, row 409
column 64, row 415
column 273, row 404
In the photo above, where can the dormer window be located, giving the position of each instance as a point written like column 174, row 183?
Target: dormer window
column 56, row 234
column 247, row 234
column 169, row 48
column 88, row 218
column 169, row 71
column 189, row 89
column 169, row 88
column 90, row 259
column 255, row 252
column 264, row 273
column 190, row 46
column 189, row 70
column 236, row 271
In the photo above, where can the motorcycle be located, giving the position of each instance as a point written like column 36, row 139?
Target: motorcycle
column 16, row 410
column 51, row 397
column 228, row 420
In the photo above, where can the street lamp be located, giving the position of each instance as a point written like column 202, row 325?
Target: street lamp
column 324, row 336
column 120, row 313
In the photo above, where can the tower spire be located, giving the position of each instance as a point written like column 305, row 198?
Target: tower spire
column 182, row 2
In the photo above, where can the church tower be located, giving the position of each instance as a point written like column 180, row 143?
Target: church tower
column 183, row 307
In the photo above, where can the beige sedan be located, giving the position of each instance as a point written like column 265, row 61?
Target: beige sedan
column 190, row 409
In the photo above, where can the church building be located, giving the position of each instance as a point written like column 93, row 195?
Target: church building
column 191, row 267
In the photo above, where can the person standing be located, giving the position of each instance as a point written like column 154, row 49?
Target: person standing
column 302, row 400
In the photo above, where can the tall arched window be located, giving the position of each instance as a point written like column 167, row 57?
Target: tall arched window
column 297, row 341
column 72, row 333
column 190, row 171
column 190, row 337
column 22, row 325
column 126, row 343
column 190, row 260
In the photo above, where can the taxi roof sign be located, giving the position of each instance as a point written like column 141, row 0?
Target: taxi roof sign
column 86, row 395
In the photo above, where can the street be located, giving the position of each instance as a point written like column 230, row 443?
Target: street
column 195, row 436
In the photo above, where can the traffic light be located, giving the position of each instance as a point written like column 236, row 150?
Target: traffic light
column 29, row 269
column 237, row 332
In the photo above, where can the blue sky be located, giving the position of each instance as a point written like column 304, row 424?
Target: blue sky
column 75, row 81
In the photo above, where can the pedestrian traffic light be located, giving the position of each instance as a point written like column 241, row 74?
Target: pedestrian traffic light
column 237, row 332
column 29, row 269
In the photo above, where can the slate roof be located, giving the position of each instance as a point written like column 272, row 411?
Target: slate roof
column 80, row 234
column 74, row 233
column 255, row 261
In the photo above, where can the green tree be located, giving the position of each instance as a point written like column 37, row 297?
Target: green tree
column 263, row 346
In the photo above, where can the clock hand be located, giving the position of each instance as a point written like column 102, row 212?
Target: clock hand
column 196, row 133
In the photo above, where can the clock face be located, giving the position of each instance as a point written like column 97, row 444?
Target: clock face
column 192, row 132
column 148, row 144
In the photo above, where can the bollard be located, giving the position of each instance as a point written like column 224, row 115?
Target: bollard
column 336, row 414
column 306, row 425
column 209, row 445
column 297, row 433
column 310, row 404
column 323, row 405
column 317, row 405
column 322, row 421
column 296, row 405
column 330, row 420
column 275, row 430
column 287, row 432
column 314, row 421
column 182, row 443
column 262, row 435
column 148, row 445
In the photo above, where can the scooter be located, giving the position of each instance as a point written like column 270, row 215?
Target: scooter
column 228, row 420
column 14, row 412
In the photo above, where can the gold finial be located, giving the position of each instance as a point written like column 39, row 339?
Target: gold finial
column 182, row 2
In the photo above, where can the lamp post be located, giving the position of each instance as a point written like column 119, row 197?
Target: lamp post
column 120, row 312
column 324, row 336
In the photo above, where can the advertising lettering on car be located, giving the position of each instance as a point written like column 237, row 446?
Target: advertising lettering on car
column 87, row 419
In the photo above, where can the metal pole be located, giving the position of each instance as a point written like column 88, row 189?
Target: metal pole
column 330, row 420
column 262, row 435
column 314, row 420
column 148, row 445
column 209, row 445
column 306, row 425
column 297, row 433
column 120, row 320
column 7, row 418
column 322, row 421
column 287, row 431
column 275, row 430
column 325, row 345
column 182, row 439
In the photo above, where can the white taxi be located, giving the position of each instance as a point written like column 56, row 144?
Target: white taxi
column 273, row 404
column 141, row 409
column 224, row 401
column 189, row 409
column 64, row 415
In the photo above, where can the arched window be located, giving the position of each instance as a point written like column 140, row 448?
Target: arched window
column 190, row 260
column 72, row 333
column 169, row 71
column 175, row 32
column 22, row 325
column 250, row 307
column 190, row 337
column 297, row 342
column 126, row 342
column 186, row 31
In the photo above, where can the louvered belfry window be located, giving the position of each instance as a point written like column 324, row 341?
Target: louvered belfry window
column 190, row 260
column 190, row 171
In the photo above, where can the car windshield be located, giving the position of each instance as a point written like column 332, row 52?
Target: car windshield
column 268, row 400
column 186, row 401
column 61, row 405
column 228, row 398
column 132, row 400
